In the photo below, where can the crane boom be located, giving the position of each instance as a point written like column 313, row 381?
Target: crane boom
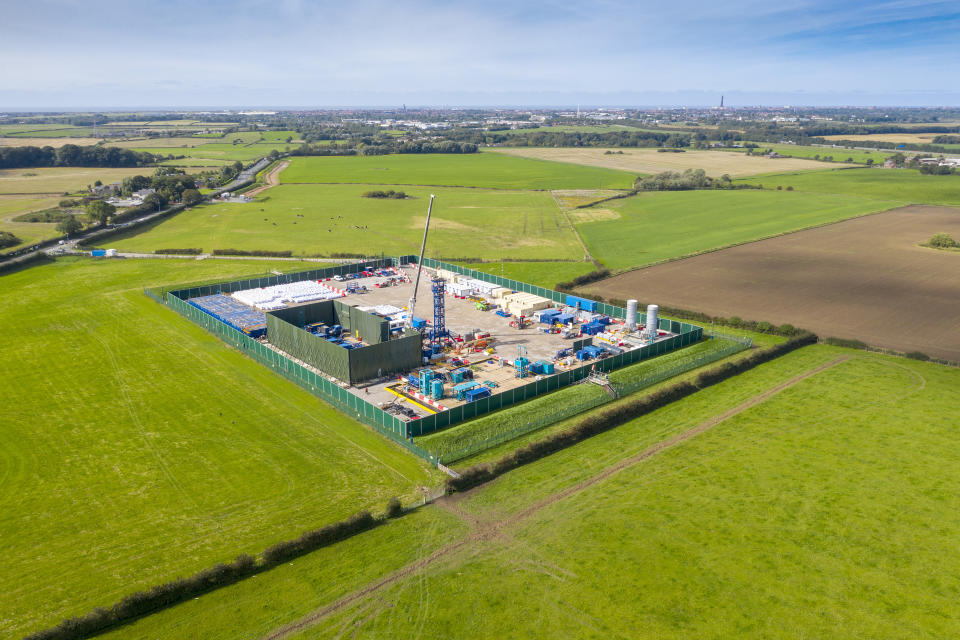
column 416, row 282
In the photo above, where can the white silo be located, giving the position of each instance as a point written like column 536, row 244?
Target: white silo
column 631, row 320
column 653, row 322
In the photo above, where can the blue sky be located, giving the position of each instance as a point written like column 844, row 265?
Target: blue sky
column 110, row 53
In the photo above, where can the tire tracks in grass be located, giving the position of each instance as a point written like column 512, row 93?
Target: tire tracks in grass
column 483, row 532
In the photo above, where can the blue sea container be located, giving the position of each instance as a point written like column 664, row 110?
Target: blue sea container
column 581, row 303
column 98, row 253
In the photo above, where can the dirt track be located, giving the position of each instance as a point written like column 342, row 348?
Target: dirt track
column 485, row 531
column 272, row 179
column 864, row 279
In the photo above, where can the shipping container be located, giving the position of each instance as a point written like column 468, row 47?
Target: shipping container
column 581, row 303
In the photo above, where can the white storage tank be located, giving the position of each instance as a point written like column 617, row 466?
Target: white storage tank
column 631, row 320
column 653, row 321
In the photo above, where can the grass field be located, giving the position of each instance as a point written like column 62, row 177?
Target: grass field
column 905, row 185
column 489, row 170
column 57, row 180
column 136, row 447
column 311, row 219
column 215, row 151
column 820, row 500
column 647, row 161
column 475, row 432
column 658, row 226
column 29, row 232
column 808, row 151
column 543, row 274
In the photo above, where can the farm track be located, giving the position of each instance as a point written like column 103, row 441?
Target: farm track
column 495, row 530
column 272, row 179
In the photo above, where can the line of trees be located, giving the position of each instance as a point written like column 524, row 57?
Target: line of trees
column 71, row 155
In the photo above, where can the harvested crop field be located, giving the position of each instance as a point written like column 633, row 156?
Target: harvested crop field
column 48, row 142
column 914, row 138
column 865, row 279
column 715, row 163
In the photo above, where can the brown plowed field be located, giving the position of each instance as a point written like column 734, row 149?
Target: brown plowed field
column 865, row 279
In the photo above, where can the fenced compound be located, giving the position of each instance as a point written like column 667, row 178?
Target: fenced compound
column 402, row 431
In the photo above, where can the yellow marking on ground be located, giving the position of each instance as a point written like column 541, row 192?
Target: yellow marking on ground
column 410, row 400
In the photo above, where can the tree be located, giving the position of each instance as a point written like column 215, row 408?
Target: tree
column 156, row 201
column 869, row 162
column 69, row 226
column 191, row 197
column 274, row 154
column 99, row 211
column 943, row 241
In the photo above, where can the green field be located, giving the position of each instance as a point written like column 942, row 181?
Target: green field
column 136, row 447
column 322, row 219
column 28, row 232
column 218, row 151
column 906, row 185
column 829, row 509
column 543, row 274
column 809, row 151
column 659, row 226
column 58, row 180
column 489, row 170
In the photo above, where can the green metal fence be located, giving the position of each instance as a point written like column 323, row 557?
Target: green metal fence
column 386, row 424
column 565, row 410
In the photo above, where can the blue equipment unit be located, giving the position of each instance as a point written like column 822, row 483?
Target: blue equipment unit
column 98, row 253
column 418, row 323
column 583, row 355
column 502, row 313
column 548, row 368
column 581, row 303
column 536, row 367
column 563, row 318
column 462, row 389
column 547, row 317
column 475, row 394
column 593, row 351
column 604, row 320
column 426, row 377
column 592, row 328
column 436, row 389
